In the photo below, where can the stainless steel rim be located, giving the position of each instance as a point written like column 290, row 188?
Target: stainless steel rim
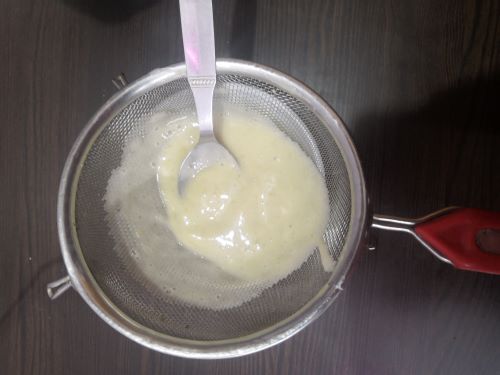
column 83, row 281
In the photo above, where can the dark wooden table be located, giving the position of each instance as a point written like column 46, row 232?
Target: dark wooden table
column 417, row 83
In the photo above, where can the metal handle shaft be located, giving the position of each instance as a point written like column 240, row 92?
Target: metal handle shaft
column 397, row 224
column 199, row 51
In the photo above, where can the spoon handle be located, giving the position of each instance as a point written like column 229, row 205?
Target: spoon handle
column 199, row 51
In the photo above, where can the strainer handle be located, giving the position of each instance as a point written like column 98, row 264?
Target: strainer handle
column 467, row 238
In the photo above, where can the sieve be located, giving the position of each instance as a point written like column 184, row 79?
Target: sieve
column 103, row 271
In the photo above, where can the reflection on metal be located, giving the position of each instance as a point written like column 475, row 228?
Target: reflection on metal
column 372, row 239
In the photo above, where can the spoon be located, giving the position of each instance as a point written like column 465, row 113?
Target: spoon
column 199, row 52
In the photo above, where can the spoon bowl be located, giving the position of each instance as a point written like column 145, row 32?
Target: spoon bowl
column 205, row 154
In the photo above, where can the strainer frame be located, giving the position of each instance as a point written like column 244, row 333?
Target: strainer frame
column 84, row 283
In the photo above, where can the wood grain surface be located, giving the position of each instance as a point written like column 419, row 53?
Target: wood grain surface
column 418, row 85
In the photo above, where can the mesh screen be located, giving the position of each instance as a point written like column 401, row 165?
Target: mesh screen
column 134, row 292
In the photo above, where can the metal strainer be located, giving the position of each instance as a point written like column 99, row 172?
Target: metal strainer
column 102, row 269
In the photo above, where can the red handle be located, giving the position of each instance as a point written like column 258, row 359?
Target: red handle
column 468, row 237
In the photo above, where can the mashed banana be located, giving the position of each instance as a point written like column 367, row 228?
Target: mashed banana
column 258, row 222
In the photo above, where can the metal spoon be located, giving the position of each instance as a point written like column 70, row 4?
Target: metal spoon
column 199, row 51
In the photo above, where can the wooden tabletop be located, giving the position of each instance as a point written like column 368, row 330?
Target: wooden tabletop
column 418, row 85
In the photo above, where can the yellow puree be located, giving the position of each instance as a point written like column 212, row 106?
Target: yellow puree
column 258, row 222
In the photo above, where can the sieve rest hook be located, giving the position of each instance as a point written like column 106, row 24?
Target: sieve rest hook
column 120, row 81
column 58, row 287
